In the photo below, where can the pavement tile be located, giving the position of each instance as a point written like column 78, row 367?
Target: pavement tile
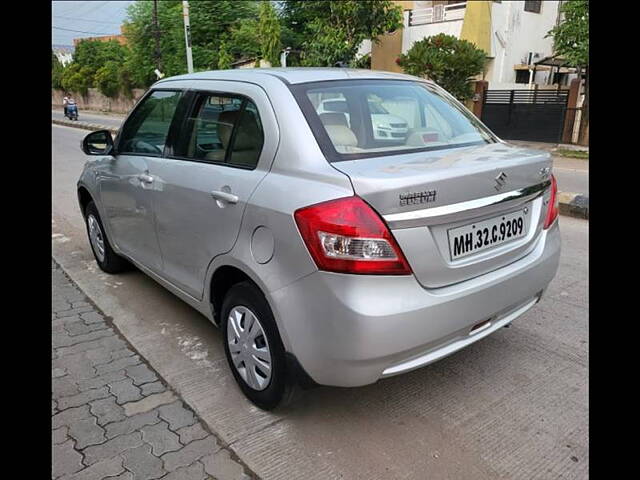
column 176, row 415
column 86, row 432
column 117, row 364
column 131, row 424
column 194, row 471
column 66, row 459
column 142, row 463
column 59, row 435
column 107, row 410
column 112, row 447
column 151, row 388
column 112, row 417
column 98, row 471
column 125, row 391
column 64, row 387
column 221, row 466
column 141, row 374
column 82, row 398
column 69, row 416
column 91, row 317
column 148, row 403
column 190, row 453
column 160, row 438
column 191, row 433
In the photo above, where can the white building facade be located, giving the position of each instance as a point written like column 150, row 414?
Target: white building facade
column 517, row 32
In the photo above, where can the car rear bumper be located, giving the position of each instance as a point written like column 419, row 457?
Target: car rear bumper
column 351, row 330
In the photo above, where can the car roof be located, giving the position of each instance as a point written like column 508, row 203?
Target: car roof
column 293, row 75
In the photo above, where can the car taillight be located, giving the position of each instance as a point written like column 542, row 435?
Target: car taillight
column 553, row 207
column 347, row 236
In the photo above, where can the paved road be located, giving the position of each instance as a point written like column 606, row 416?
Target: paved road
column 572, row 174
column 108, row 120
column 513, row 405
column 111, row 413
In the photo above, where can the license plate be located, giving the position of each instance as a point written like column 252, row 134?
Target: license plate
column 475, row 237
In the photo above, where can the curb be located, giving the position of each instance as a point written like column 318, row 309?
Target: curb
column 83, row 125
column 574, row 205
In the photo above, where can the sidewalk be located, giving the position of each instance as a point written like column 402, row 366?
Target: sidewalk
column 112, row 415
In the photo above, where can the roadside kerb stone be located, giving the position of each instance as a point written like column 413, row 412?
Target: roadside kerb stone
column 574, row 204
column 84, row 125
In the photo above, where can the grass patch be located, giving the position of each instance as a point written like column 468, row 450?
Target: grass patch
column 565, row 152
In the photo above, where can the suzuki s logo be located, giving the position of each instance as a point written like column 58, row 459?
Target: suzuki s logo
column 544, row 172
column 500, row 181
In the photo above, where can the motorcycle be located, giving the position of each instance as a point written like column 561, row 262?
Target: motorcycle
column 72, row 111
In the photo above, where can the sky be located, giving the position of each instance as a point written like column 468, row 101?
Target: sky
column 87, row 18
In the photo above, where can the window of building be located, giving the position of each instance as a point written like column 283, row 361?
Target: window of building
column 533, row 6
column 522, row 76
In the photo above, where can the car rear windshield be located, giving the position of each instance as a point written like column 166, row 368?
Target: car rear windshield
column 354, row 119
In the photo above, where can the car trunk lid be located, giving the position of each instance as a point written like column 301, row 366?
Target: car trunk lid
column 424, row 196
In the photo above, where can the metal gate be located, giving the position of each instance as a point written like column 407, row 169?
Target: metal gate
column 533, row 115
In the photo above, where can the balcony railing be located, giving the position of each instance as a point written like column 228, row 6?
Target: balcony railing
column 437, row 13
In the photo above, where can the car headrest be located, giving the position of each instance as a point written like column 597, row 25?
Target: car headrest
column 333, row 118
column 249, row 137
column 341, row 135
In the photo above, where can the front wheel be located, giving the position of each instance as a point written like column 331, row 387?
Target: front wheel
column 253, row 346
column 107, row 259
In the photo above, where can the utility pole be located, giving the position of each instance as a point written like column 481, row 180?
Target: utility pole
column 156, row 34
column 187, row 35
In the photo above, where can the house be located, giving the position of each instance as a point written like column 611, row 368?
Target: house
column 64, row 53
column 121, row 38
column 513, row 33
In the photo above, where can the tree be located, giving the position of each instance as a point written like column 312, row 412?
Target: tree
column 77, row 79
column 244, row 41
column 269, row 33
column 448, row 61
column 107, row 79
column 56, row 71
column 211, row 22
column 331, row 31
column 139, row 30
column 224, row 57
column 571, row 41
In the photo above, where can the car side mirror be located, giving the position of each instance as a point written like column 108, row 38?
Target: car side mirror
column 98, row 143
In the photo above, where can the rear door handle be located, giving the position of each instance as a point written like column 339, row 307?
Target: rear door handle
column 144, row 178
column 224, row 196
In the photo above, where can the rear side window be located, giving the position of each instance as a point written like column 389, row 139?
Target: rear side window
column 145, row 131
column 222, row 129
column 356, row 119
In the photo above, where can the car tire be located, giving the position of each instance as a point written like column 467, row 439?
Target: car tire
column 243, row 303
column 108, row 260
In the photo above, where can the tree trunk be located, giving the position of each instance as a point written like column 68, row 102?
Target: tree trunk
column 583, row 138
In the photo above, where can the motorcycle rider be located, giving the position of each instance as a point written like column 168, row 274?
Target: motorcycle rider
column 65, row 101
column 68, row 100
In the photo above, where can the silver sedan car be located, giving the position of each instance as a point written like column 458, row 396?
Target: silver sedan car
column 326, row 255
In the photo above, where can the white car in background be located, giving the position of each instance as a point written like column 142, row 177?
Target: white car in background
column 385, row 125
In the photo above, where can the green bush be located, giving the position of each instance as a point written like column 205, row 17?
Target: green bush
column 448, row 61
column 107, row 79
